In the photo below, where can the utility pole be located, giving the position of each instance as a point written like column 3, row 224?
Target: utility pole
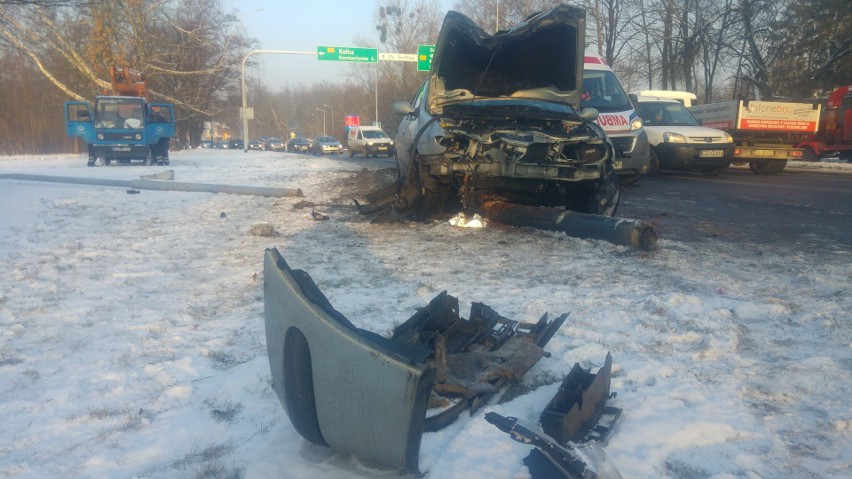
column 243, row 83
column 323, row 119
column 332, row 118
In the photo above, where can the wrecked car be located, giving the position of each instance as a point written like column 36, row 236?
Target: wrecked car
column 499, row 119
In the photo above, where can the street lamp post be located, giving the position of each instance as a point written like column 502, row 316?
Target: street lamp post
column 323, row 119
column 243, row 86
column 332, row 118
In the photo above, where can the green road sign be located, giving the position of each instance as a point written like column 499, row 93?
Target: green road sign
column 424, row 57
column 348, row 54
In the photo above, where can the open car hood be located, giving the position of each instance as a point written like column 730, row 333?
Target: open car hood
column 538, row 59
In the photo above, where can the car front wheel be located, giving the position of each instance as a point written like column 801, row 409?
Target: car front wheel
column 607, row 195
column 653, row 164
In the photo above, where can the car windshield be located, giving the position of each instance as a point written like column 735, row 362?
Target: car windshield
column 326, row 139
column 601, row 90
column 118, row 113
column 373, row 134
column 666, row 114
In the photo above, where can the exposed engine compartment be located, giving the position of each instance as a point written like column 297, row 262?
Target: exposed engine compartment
column 504, row 149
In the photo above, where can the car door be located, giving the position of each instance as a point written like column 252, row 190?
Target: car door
column 408, row 127
column 78, row 120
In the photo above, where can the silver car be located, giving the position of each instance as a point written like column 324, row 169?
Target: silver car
column 326, row 145
column 499, row 118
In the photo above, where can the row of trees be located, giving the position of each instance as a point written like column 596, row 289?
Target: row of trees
column 715, row 48
column 189, row 50
column 191, row 53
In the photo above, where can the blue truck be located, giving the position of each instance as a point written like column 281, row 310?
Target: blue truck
column 123, row 127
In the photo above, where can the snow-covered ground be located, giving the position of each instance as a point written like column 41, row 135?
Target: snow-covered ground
column 132, row 343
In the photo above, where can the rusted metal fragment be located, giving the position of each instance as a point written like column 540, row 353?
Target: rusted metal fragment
column 394, row 202
column 575, row 411
column 474, row 357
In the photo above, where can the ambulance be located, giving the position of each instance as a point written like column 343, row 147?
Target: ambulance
column 617, row 116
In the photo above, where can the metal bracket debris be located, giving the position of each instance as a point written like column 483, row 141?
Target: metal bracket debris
column 578, row 411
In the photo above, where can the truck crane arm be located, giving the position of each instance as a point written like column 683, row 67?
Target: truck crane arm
column 127, row 82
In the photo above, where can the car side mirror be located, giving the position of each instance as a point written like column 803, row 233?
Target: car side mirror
column 589, row 113
column 402, row 108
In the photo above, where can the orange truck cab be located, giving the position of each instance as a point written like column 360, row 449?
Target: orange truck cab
column 834, row 136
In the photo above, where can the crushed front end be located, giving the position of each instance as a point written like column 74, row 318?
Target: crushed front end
column 519, row 160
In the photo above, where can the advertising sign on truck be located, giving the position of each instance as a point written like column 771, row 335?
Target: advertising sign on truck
column 763, row 131
column 759, row 116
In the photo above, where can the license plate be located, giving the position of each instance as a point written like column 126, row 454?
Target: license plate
column 120, row 148
column 763, row 153
column 711, row 153
column 617, row 165
column 383, row 148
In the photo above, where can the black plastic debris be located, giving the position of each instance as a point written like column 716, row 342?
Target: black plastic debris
column 578, row 412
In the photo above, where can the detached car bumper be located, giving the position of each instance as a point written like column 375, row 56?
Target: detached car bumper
column 341, row 386
column 368, row 395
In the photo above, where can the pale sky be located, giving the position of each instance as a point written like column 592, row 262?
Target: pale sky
column 302, row 26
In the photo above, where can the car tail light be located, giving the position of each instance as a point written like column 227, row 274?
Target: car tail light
column 738, row 152
column 796, row 153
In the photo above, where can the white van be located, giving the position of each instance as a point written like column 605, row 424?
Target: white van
column 369, row 140
column 679, row 142
column 622, row 124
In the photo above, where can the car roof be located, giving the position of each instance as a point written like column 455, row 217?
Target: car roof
column 643, row 99
column 675, row 94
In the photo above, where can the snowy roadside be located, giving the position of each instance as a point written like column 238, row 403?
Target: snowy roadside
column 131, row 330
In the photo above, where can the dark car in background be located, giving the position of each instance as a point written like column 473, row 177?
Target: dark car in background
column 274, row 144
column 298, row 144
column 326, row 145
column 236, row 144
column 255, row 145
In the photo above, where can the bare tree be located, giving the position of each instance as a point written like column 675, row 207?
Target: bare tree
column 816, row 57
column 400, row 25
column 189, row 50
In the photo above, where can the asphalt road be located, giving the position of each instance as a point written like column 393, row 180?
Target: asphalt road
column 797, row 208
